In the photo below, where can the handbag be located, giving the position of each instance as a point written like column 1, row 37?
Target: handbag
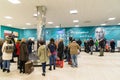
column 48, row 53
column 55, row 52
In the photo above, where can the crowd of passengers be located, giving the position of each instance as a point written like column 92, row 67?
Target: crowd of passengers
column 22, row 48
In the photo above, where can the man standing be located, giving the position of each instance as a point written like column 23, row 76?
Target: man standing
column 91, row 44
column 99, row 34
column 79, row 42
column 74, row 52
column 112, row 45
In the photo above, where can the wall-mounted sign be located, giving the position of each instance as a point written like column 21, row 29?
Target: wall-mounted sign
column 7, row 32
column 118, row 44
column 15, row 34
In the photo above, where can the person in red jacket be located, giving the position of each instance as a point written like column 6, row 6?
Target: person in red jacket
column 18, row 52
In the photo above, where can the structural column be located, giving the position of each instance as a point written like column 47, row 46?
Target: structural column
column 41, row 12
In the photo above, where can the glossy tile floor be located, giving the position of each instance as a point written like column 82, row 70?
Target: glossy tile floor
column 91, row 67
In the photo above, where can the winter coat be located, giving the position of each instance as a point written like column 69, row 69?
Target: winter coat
column 0, row 50
column 91, row 42
column 23, row 52
column 18, row 49
column 60, row 49
column 96, row 43
column 1, row 43
column 43, row 53
column 74, row 47
column 6, row 56
column 102, row 43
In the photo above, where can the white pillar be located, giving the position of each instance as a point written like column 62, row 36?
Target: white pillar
column 41, row 11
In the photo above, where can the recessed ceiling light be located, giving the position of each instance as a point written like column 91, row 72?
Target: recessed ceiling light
column 57, row 26
column 103, row 24
column 118, row 23
column 111, row 18
column 8, row 17
column 50, row 22
column 9, row 25
column 14, row 1
column 23, row 28
column 73, row 11
column 28, row 23
column 35, row 15
column 75, row 21
column 76, row 25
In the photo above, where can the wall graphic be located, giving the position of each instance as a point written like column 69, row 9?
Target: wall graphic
column 84, row 33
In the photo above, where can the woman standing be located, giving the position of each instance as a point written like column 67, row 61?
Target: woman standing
column 61, row 50
column 23, row 57
column 52, row 47
column 43, row 56
column 7, row 50
column 18, row 53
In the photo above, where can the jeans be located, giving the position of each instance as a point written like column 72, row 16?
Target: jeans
column 96, row 48
column 52, row 59
column 74, row 60
column 6, row 64
column 91, row 49
column 44, row 67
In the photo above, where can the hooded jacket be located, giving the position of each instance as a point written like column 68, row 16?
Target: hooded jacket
column 43, row 53
column 23, row 52
column 73, row 47
column 6, row 56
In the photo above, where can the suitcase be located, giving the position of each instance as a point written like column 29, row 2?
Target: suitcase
column 70, row 62
column 59, row 63
column 29, row 67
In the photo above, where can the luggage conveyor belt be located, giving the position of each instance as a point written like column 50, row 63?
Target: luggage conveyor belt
column 34, row 58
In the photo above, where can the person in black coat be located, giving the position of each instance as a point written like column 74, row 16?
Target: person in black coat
column 102, row 43
column 91, row 44
column 112, row 45
column 61, row 49
column 79, row 42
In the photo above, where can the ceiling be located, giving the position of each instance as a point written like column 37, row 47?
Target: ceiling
column 90, row 12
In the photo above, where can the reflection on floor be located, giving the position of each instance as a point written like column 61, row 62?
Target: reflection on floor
column 91, row 67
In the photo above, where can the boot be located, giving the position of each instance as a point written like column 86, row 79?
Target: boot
column 43, row 74
column 50, row 68
column 8, row 71
column 54, row 67
column 4, row 70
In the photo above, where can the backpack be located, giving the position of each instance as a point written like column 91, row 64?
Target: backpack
column 52, row 48
column 9, row 48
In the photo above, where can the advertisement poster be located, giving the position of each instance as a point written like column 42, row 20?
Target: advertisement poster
column 118, row 44
column 7, row 32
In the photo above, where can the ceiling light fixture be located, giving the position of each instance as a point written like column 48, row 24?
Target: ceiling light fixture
column 35, row 15
column 14, row 1
column 73, row 11
column 23, row 28
column 118, row 23
column 76, row 25
column 57, row 26
column 75, row 21
column 28, row 23
column 50, row 22
column 9, row 25
column 8, row 17
column 113, row 18
column 103, row 24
